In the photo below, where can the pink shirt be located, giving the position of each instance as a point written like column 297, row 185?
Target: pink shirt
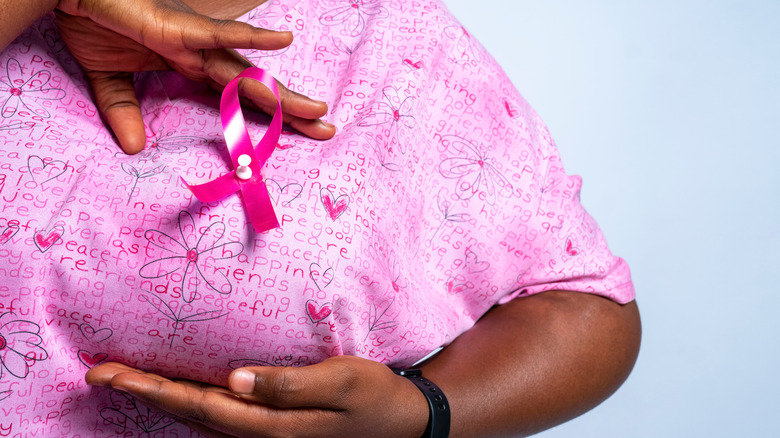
column 441, row 195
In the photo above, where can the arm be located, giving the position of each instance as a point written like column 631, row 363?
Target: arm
column 536, row 362
column 524, row 367
column 16, row 16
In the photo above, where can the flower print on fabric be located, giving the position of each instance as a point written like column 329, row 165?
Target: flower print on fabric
column 466, row 48
column 447, row 212
column 274, row 361
column 138, row 174
column 257, row 54
column 20, row 346
column 146, row 163
column 380, row 151
column 265, row 18
column 17, row 125
column 392, row 112
column 379, row 320
column 353, row 15
column 192, row 256
column 171, row 144
column 163, row 144
column 127, row 414
column 391, row 267
column 341, row 46
column 17, row 90
column 474, row 171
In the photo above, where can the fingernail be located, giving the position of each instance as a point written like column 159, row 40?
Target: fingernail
column 242, row 382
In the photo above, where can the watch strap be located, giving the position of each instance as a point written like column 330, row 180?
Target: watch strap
column 439, row 419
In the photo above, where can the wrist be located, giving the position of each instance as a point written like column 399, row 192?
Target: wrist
column 438, row 410
column 411, row 418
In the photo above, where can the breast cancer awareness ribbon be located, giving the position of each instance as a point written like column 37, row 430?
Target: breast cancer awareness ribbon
column 247, row 159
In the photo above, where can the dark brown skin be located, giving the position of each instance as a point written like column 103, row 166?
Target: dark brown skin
column 524, row 367
column 16, row 16
column 112, row 39
column 537, row 362
column 224, row 10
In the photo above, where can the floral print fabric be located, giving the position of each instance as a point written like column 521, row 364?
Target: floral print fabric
column 441, row 195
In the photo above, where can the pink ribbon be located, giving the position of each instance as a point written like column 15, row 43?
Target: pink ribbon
column 254, row 192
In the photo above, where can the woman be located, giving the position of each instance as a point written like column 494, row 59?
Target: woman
column 437, row 215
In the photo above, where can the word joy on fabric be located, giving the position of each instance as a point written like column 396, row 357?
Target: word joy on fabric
column 247, row 159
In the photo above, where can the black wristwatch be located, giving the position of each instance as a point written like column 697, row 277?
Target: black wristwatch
column 439, row 419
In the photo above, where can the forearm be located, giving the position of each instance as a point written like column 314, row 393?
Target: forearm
column 536, row 362
column 16, row 16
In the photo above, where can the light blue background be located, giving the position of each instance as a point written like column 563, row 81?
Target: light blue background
column 670, row 111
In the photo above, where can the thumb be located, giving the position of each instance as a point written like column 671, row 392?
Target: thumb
column 327, row 385
column 117, row 103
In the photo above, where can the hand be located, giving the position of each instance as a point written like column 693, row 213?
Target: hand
column 343, row 396
column 112, row 39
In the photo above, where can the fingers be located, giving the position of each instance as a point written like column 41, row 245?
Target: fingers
column 316, row 129
column 204, row 386
column 184, row 399
column 188, row 402
column 342, row 396
column 330, row 384
column 171, row 24
column 214, row 412
column 224, row 65
column 195, row 45
column 204, row 430
column 300, row 112
column 117, row 103
column 216, row 34
column 198, row 31
column 102, row 374
column 105, row 374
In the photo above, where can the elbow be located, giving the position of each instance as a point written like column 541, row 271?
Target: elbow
column 616, row 343
column 603, row 345
column 627, row 338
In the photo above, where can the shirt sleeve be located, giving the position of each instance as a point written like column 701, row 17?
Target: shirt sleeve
column 576, row 256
